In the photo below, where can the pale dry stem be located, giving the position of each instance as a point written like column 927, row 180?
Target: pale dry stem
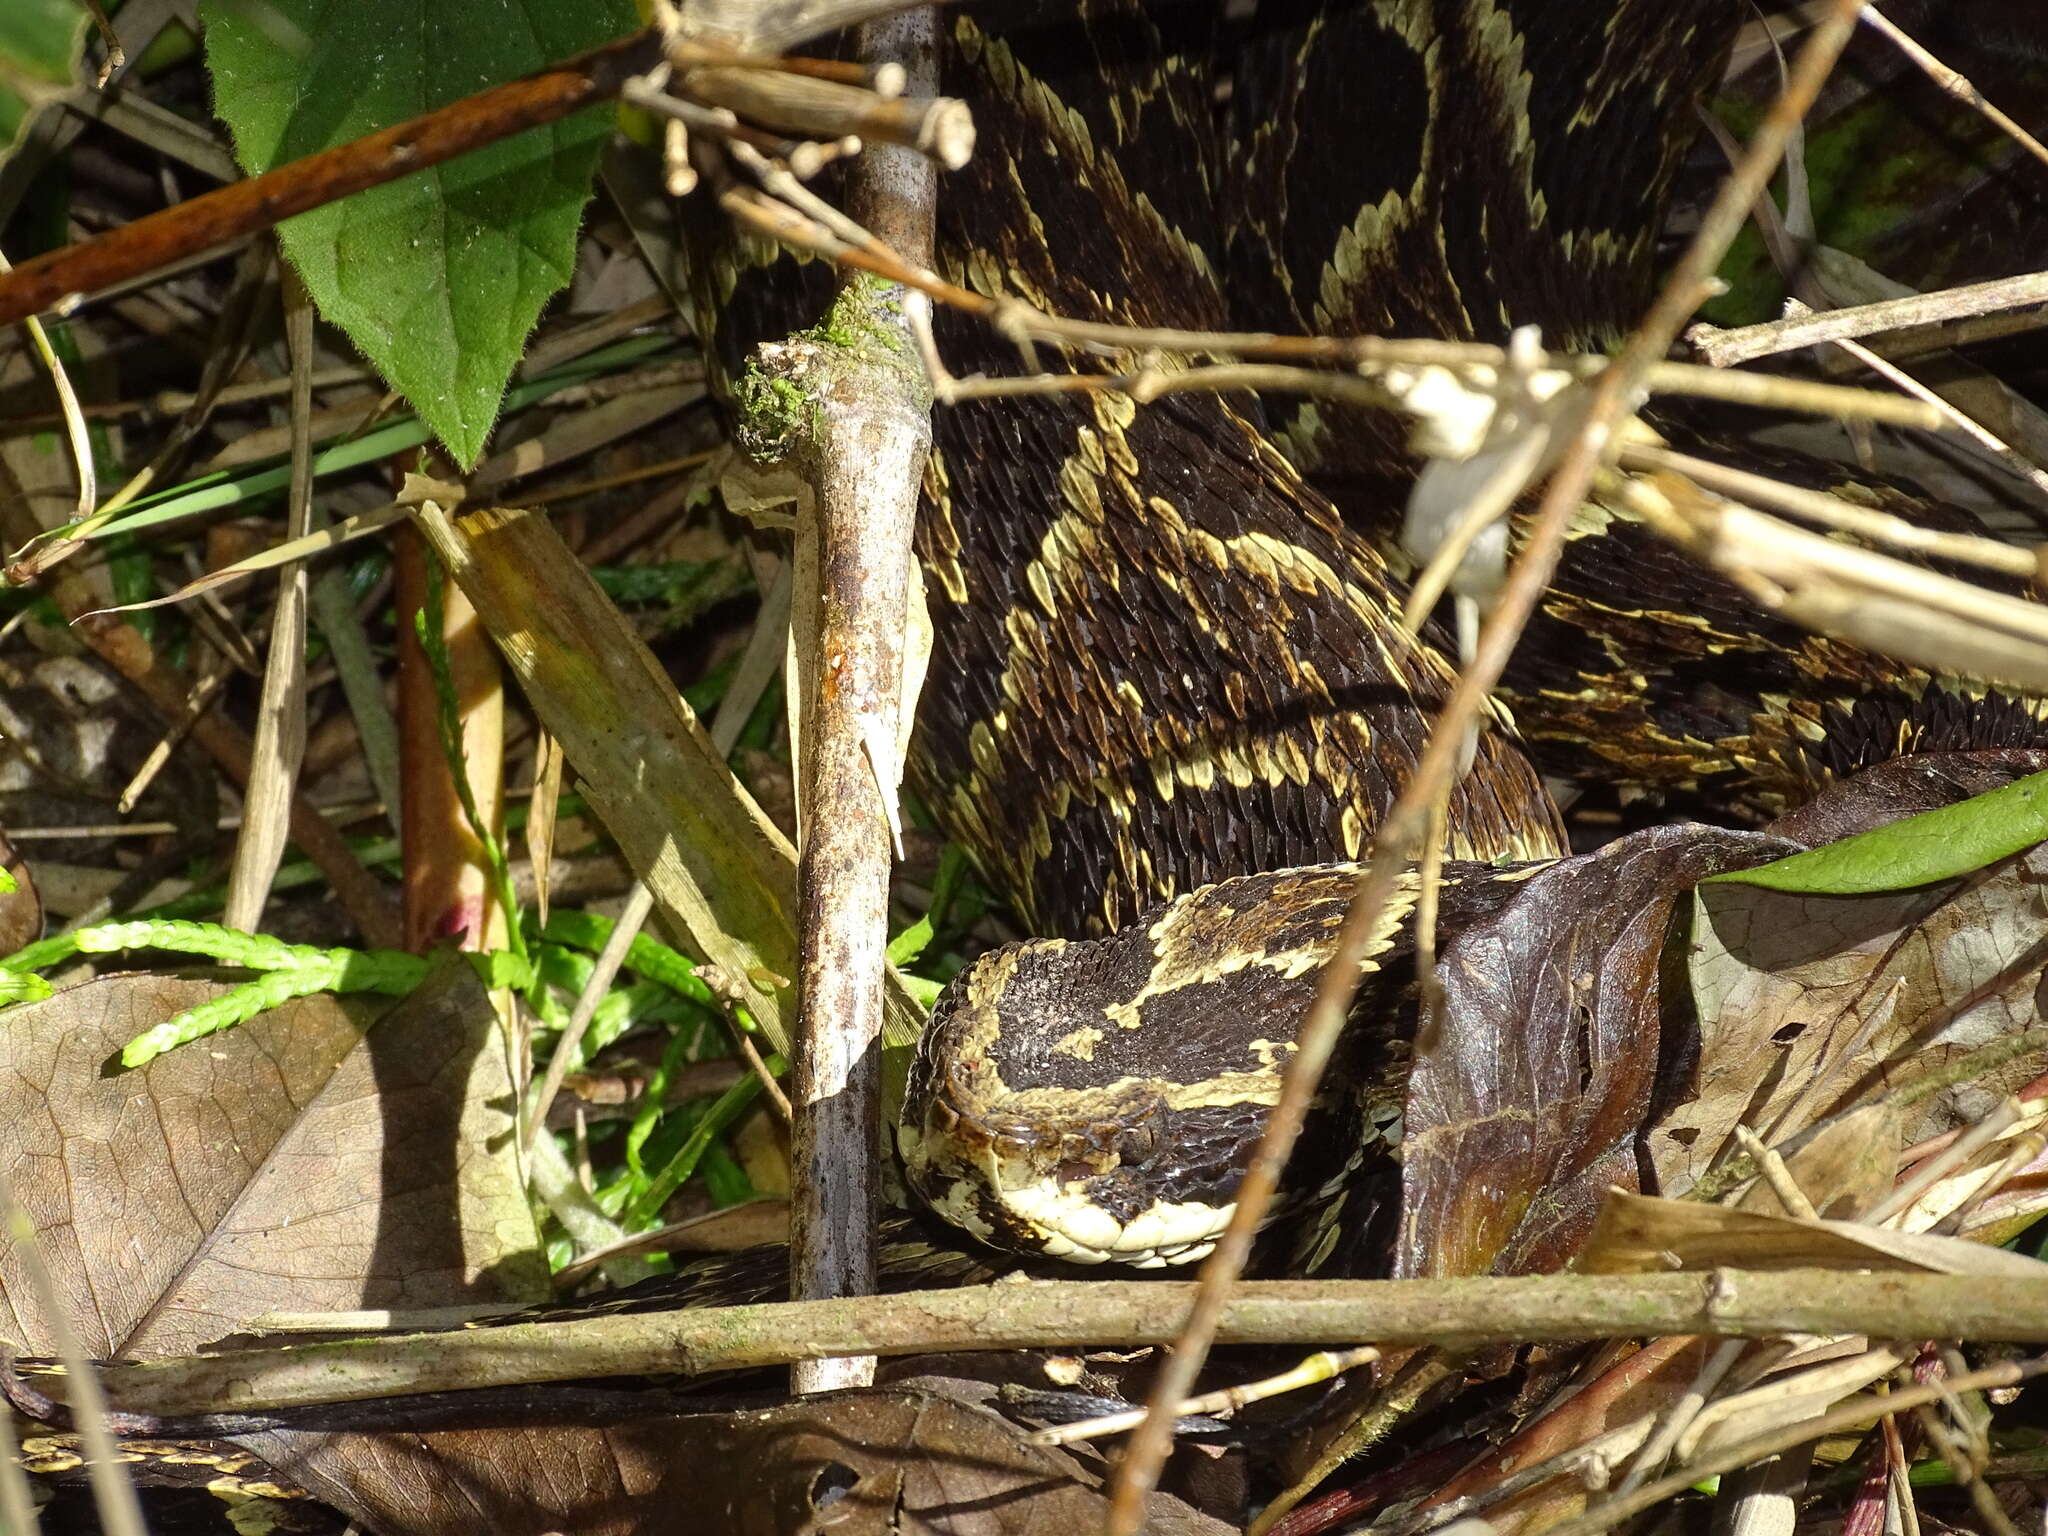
column 1406, row 823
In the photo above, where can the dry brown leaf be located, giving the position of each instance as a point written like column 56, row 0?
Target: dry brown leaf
column 1528, row 1104
column 1844, row 1168
column 1565, row 1036
column 887, row 1461
column 293, row 1163
column 1810, row 1005
column 21, row 909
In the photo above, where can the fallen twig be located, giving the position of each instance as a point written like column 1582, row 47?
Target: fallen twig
column 1452, row 1313
column 1724, row 348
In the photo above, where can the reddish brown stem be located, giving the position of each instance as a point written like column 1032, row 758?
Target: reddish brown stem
column 447, row 882
column 246, row 207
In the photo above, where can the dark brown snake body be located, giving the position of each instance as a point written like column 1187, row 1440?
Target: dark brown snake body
column 1164, row 656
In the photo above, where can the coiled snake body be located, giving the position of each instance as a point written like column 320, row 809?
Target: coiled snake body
column 1164, row 650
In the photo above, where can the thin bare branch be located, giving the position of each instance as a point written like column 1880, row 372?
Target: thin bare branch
column 1407, row 822
column 2021, row 466
column 1358, row 368
column 1955, row 84
column 1724, row 348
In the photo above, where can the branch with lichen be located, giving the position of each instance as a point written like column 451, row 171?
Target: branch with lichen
column 849, row 406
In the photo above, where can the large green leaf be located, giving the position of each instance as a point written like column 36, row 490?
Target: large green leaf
column 1936, row 845
column 38, row 43
column 439, row 276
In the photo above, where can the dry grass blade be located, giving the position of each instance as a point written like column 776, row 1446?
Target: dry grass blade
column 541, row 813
column 279, row 748
column 1837, row 512
column 568, row 1049
column 1999, row 449
column 1682, row 1414
column 580, row 433
column 1642, row 1234
column 1850, row 1416
column 741, row 694
column 113, row 1491
column 1884, row 605
column 75, row 433
column 738, row 702
column 17, row 1499
column 291, row 552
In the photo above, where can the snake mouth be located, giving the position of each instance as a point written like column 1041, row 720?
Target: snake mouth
column 1074, row 1224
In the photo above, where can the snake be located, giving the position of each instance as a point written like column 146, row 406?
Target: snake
column 1168, row 701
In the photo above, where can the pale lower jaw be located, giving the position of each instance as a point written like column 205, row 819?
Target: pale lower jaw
column 1073, row 1229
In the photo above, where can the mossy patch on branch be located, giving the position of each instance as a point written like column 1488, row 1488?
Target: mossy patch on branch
column 859, row 344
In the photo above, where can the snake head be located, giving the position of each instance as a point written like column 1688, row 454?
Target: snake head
column 1100, row 1178
column 1091, row 1163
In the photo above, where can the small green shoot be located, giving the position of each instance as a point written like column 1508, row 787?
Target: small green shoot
column 725, row 1109
column 285, row 971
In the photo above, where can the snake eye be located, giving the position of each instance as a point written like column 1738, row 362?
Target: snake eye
column 1136, row 1144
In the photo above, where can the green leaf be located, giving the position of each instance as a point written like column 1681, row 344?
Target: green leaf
column 923, row 990
column 724, row 1110
column 1936, row 845
column 439, row 276
column 908, row 945
column 39, row 43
